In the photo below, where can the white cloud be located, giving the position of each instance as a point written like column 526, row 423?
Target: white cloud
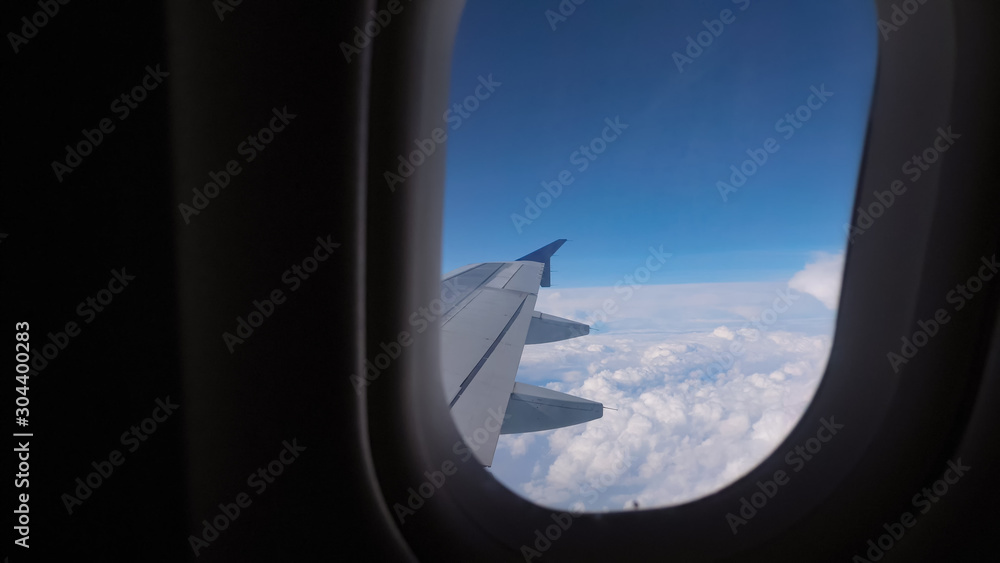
column 724, row 332
column 685, row 433
column 693, row 415
column 518, row 443
column 821, row 279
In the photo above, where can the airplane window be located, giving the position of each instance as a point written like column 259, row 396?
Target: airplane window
column 701, row 160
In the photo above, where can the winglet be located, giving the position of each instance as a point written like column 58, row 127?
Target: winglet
column 543, row 255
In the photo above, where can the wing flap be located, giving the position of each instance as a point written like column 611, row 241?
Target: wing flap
column 480, row 407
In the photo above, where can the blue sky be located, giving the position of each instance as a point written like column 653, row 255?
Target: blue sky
column 656, row 183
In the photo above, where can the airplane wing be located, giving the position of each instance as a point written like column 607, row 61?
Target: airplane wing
column 489, row 316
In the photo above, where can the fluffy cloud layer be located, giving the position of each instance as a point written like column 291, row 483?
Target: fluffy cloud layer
column 821, row 279
column 707, row 380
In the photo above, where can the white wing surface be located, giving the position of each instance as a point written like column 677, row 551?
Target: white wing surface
column 490, row 309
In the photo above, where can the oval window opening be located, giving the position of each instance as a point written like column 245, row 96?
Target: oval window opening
column 700, row 163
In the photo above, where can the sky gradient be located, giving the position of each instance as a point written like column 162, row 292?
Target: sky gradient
column 656, row 183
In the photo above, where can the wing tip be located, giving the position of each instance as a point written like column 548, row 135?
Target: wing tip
column 544, row 255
